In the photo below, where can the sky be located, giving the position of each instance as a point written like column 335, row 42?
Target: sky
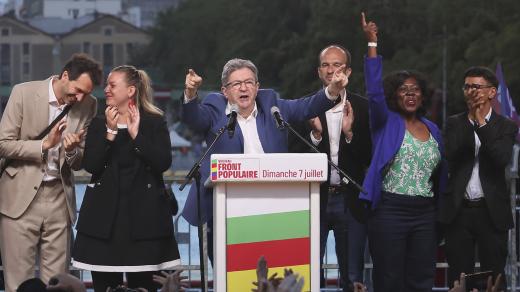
column 2, row 2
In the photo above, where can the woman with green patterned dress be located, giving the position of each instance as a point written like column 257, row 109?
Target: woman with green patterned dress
column 405, row 176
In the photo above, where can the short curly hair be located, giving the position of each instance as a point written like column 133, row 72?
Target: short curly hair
column 82, row 63
column 394, row 80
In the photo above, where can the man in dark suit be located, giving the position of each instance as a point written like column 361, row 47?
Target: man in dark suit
column 476, row 208
column 256, row 130
column 346, row 140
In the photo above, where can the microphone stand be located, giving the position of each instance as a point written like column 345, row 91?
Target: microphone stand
column 346, row 178
column 195, row 174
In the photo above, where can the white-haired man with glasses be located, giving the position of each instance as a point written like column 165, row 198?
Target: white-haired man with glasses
column 256, row 130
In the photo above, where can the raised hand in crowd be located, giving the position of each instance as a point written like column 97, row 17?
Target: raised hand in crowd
column 359, row 287
column 494, row 287
column 460, row 285
column 261, row 275
column 171, row 282
column 291, row 283
column 66, row 283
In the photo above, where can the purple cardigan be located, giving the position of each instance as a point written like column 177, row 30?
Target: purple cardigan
column 387, row 128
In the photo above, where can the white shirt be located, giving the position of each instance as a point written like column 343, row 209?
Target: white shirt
column 52, row 170
column 252, row 142
column 334, row 118
column 474, row 188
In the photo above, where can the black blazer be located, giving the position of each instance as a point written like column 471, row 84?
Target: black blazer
column 150, row 206
column 497, row 138
column 354, row 157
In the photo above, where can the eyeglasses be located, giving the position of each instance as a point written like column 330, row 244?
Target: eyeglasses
column 467, row 87
column 249, row 83
column 409, row 88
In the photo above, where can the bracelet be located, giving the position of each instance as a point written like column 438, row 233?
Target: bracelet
column 372, row 44
column 110, row 131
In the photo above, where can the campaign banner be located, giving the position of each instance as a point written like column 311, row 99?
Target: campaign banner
column 268, row 167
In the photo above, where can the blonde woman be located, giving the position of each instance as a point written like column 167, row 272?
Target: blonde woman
column 125, row 223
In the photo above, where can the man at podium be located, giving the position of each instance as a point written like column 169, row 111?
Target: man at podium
column 256, row 131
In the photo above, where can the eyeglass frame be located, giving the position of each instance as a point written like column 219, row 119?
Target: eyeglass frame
column 238, row 84
column 467, row 87
column 404, row 89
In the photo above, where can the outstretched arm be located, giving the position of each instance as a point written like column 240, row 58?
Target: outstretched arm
column 378, row 108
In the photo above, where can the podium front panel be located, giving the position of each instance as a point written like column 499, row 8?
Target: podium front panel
column 270, row 220
column 266, row 205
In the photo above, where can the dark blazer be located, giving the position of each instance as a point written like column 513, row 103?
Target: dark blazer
column 353, row 158
column 149, row 204
column 497, row 138
column 208, row 116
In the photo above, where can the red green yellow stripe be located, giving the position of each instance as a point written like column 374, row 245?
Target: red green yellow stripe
column 243, row 280
column 278, row 253
column 267, row 227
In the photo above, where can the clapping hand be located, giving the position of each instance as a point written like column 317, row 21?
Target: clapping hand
column 133, row 121
column 348, row 120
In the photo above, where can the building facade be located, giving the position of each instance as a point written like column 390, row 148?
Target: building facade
column 28, row 52
column 36, row 50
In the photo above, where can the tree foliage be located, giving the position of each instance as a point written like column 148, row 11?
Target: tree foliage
column 283, row 38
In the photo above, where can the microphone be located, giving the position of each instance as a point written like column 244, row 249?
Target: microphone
column 232, row 122
column 275, row 112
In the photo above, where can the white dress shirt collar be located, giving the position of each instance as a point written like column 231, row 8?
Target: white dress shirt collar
column 53, row 100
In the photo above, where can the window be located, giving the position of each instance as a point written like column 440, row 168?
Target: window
column 5, row 64
column 108, row 58
column 129, row 50
column 73, row 12
column 86, row 47
column 26, row 49
column 107, row 31
column 26, row 68
column 4, row 31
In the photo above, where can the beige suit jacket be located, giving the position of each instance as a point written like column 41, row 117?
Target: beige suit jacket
column 25, row 116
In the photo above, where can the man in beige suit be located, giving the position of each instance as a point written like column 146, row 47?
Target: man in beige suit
column 37, row 199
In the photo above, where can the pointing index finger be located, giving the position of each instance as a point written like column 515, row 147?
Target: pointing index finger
column 340, row 69
column 363, row 19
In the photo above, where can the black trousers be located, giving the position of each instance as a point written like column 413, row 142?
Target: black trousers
column 402, row 241
column 472, row 232
column 336, row 219
column 103, row 280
